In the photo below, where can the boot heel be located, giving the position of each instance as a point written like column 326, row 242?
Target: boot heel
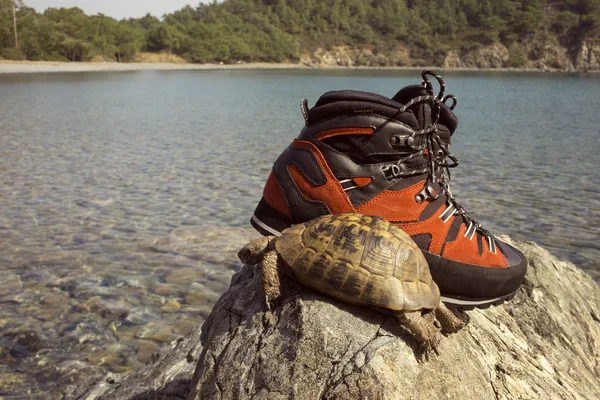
column 269, row 221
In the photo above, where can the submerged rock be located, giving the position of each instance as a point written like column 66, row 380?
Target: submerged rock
column 166, row 376
column 158, row 331
column 26, row 344
column 545, row 343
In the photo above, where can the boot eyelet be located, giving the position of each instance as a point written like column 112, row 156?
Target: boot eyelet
column 402, row 140
column 428, row 192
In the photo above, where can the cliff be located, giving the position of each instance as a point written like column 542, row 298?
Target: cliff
column 539, row 52
column 544, row 344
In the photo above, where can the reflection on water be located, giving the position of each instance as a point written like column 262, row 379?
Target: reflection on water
column 126, row 195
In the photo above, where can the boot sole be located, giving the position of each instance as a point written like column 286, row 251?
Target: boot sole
column 466, row 303
column 272, row 223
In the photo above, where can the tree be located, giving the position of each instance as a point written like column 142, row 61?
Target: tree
column 127, row 42
column 14, row 13
column 279, row 30
column 165, row 38
column 103, row 36
column 13, row 6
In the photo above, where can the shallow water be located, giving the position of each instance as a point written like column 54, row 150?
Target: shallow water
column 124, row 196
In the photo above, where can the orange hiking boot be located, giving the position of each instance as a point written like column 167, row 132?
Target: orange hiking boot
column 362, row 152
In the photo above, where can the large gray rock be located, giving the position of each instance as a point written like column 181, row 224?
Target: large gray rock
column 544, row 344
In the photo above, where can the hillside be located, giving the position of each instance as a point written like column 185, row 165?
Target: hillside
column 540, row 34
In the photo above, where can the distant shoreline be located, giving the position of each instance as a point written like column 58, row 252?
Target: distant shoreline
column 8, row 67
column 18, row 67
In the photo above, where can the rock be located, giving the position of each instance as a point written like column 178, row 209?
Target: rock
column 26, row 344
column 452, row 60
column 12, row 383
column 54, row 299
column 346, row 56
column 89, row 330
column 140, row 316
column 164, row 289
column 215, row 286
column 494, row 55
column 146, row 349
column 195, row 297
column 184, row 275
column 74, row 372
column 182, row 327
column 10, row 284
column 542, row 51
column 171, row 306
column 199, row 312
column 198, row 294
column 545, row 343
column 545, row 53
column 125, row 333
column 156, row 331
column 115, row 309
column 166, row 376
column 588, row 57
column 107, row 356
column 328, row 58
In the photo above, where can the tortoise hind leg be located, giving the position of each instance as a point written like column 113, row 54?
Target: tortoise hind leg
column 450, row 323
column 271, row 282
column 422, row 329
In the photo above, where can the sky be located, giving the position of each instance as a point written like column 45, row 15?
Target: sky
column 117, row 8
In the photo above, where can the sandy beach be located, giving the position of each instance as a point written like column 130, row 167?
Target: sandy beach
column 7, row 67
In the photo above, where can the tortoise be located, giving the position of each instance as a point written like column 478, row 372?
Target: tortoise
column 359, row 259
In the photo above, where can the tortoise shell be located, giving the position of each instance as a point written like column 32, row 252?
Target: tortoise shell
column 360, row 259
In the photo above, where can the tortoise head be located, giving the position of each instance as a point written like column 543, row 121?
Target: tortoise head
column 254, row 251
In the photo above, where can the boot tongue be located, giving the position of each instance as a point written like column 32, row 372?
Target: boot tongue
column 423, row 111
column 409, row 92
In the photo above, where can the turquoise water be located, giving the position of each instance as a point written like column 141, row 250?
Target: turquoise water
column 124, row 195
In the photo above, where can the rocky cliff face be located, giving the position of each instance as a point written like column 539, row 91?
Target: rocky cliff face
column 539, row 52
column 545, row 344
column 493, row 56
column 545, row 53
column 588, row 57
column 344, row 56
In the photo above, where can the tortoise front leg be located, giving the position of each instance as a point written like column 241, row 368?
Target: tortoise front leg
column 422, row 329
column 270, row 277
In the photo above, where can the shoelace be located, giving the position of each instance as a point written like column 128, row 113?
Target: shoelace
column 438, row 155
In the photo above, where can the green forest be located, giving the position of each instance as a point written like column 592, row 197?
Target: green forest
column 282, row 30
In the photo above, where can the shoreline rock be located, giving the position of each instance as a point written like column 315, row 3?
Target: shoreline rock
column 545, row 343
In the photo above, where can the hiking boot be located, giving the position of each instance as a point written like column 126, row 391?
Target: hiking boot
column 363, row 152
